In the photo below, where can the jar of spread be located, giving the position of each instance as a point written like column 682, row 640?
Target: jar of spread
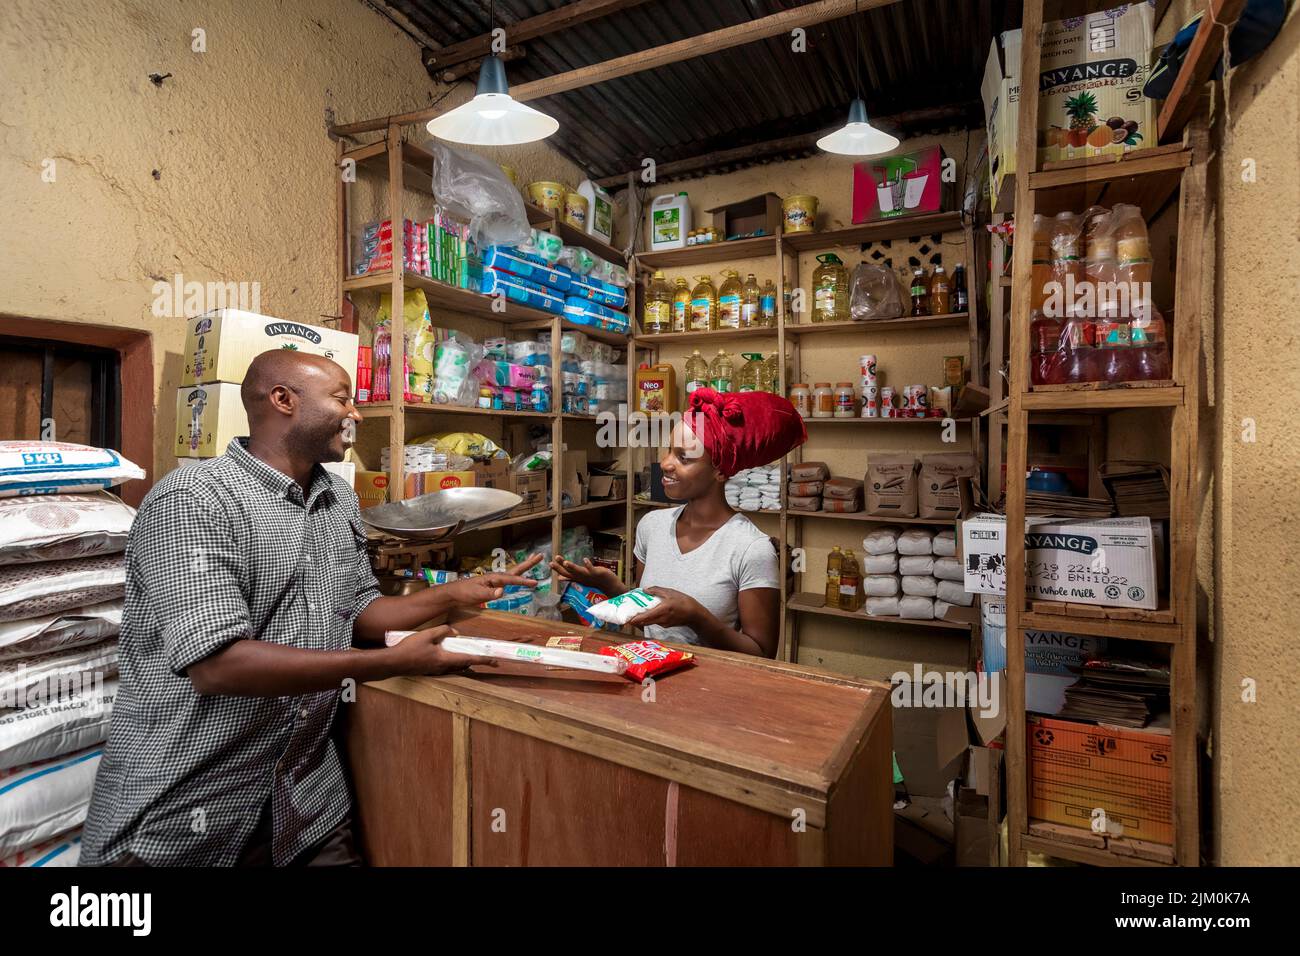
column 846, row 400
column 801, row 399
column 823, row 400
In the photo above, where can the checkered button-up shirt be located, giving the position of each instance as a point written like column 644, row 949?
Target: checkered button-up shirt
column 219, row 552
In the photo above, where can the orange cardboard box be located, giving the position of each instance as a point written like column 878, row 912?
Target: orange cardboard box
column 371, row 487
column 1075, row 769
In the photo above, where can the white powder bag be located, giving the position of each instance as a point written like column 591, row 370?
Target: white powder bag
column 61, row 631
column 916, row 564
column 53, row 467
column 621, row 608
column 60, row 727
column 920, row 585
column 948, row 569
column 881, row 541
column 63, row 850
column 31, row 681
column 915, row 541
column 940, row 609
column 945, row 543
column 954, row 592
column 880, row 585
column 882, row 607
column 55, row 527
column 879, row 563
column 42, row 800
column 35, row 590
column 916, row 608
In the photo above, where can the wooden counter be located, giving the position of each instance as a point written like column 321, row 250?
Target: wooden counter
column 736, row 760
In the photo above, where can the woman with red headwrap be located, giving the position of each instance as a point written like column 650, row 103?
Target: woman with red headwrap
column 718, row 575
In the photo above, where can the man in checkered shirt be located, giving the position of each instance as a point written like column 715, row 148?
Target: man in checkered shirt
column 248, row 583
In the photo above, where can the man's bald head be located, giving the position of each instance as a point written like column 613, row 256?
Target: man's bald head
column 300, row 402
column 296, row 371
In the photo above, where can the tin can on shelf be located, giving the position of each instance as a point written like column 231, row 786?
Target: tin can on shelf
column 888, row 402
column 799, row 213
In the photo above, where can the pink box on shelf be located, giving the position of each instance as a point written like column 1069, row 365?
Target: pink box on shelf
column 904, row 184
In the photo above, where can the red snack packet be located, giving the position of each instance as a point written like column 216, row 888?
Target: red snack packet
column 647, row 658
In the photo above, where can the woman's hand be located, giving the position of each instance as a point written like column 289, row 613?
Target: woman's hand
column 588, row 574
column 422, row 654
column 675, row 610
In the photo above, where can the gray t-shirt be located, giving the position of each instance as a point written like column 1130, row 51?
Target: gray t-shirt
column 736, row 557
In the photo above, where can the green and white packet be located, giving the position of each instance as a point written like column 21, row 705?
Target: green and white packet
column 621, row 608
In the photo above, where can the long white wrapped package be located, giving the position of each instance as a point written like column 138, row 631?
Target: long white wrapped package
column 621, row 608
column 61, row 631
column 882, row 607
column 63, row 850
column 55, row 467
column 916, row 608
column 948, row 569
column 920, row 585
column 41, row 800
column 35, row 590
column 954, row 592
column 915, row 541
column 940, row 609
column 945, row 543
column 916, row 564
column 880, row 585
column 57, row 728
column 881, row 541
column 880, row 563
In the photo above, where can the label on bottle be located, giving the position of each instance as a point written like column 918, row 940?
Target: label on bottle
column 694, row 384
column 679, row 316
column 749, row 314
column 767, row 306
column 700, row 311
column 658, row 315
column 748, row 388
column 848, row 589
column 729, row 311
column 1132, row 251
column 667, row 225
column 720, row 384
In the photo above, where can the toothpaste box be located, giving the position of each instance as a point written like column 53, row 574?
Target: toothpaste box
column 220, row 345
column 1110, row 562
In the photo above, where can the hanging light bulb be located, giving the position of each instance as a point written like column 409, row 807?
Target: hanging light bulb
column 493, row 117
column 857, row 137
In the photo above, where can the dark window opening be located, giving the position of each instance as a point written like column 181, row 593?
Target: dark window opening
column 60, row 391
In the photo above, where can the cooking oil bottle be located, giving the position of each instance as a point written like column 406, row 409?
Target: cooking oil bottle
column 697, row 371
column 730, row 295
column 749, row 304
column 834, row 562
column 722, row 373
column 787, row 299
column 704, row 305
column 850, row 582
column 752, row 374
column 774, row 371
column 830, row 290
column 658, row 306
column 767, row 306
column 681, row 304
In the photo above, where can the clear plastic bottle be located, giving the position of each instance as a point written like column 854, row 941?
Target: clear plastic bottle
column 787, row 299
column 730, row 296
column 774, row 371
column 940, row 302
column 1048, row 356
column 830, row 290
column 1041, row 268
column 765, row 383
column 834, row 562
column 749, row 303
column 697, row 371
column 751, row 377
column 1150, row 348
column 850, row 582
column 767, row 306
column 846, row 400
column 920, row 292
column 1133, row 263
column 658, row 306
column 722, row 373
column 681, row 304
column 1067, row 268
column 704, row 305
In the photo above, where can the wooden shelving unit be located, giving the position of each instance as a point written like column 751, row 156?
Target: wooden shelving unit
column 1151, row 179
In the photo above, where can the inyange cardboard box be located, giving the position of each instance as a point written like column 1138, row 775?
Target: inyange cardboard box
column 1110, row 562
column 220, row 345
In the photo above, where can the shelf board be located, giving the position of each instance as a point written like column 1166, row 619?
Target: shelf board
column 1063, row 616
column 1146, row 178
column 1157, row 632
column 647, row 503
column 709, row 252
column 596, row 505
column 652, row 340
column 950, row 320
column 384, row 409
column 446, row 298
column 870, row 519
column 816, row 604
column 603, row 335
column 1103, row 396
column 1093, row 856
column 900, row 228
column 576, row 237
column 537, row 216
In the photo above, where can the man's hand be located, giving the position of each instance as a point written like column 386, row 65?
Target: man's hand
column 588, row 574
column 422, row 654
column 480, row 588
column 676, row 610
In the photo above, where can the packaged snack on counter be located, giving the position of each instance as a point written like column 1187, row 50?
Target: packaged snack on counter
column 648, row 658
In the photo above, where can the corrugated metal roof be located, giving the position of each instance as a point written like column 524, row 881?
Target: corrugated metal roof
column 915, row 56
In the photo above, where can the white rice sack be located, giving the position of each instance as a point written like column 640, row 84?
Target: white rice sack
column 56, row 467
column 880, row 585
column 55, row 527
column 35, row 590
column 916, row 564
column 940, row 609
column 63, row 850
column 920, row 585
column 42, row 800
column 915, row 541
column 32, row 681
column 881, row 541
column 56, row 728
column 61, row 631
column 621, row 608
column 948, row 569
column 945, row 543
column 882, row 606
column 916, row 608
column 879, row 563
column 954, row 592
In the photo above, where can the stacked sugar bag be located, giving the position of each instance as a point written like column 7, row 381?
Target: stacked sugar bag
column 912, row 574
column 62, row 583
column 755, row 489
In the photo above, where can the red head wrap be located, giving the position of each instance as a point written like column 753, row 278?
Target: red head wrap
column 743, row 430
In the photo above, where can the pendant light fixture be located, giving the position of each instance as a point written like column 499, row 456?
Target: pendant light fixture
column 493, row 117
column 857, row 137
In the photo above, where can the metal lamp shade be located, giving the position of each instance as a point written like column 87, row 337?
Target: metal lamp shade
column 857, row 137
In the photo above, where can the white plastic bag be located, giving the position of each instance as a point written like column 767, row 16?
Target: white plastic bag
column 472, row 188
column 881, row 541
column 945, row 543
column 882, row 607
column 880, row 585
column 880, row 563
column 948, row 569
column 874, row 293
column 915, row 542
column 955, row 593
column 621, row 608
column 916, row 564
column 916, row 608
column 42, row 800
column 919, row 585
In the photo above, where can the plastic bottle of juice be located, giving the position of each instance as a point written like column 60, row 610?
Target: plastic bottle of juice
column 960, row 298
column 830, row 289
column 940, row 293
column 1047, row 358
column 749, row 303
column 1114, row 356
column 850, row 582
column 1041, row 269
column 730, row 296
column 658, row 306
column 1067, row 264
column 1133, row 256
column 767, row 306
column 833, row 564
column 1150, row 348
column 1079, row 334
column 681, row 304
column 920, row 292
column 704, row 305
column 697, row 371
column 751, row 373
column 722, row 373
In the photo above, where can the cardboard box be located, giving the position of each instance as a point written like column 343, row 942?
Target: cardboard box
column 576, row 478
column 208, row 417
column 608, row 482
column 904, row 184
column 494, row 473
column 1048, row 656
column 220, row 345
column 1109, row 562
column 531, row 486
column 371, row 487
column 748, row 216
column 1000, row 90
column 929, row 742
column 1076, row 769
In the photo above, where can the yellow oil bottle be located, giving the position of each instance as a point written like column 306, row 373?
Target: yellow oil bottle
column 704, row 305
column 722, row 373
column 749, row 304
column 730, row 295
column 658, row 306
column 830, row 290
column 834, row 562
column 767, row 306
column 850, row 582
column 753, row 374
column 681, row 304
column 697, row 372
